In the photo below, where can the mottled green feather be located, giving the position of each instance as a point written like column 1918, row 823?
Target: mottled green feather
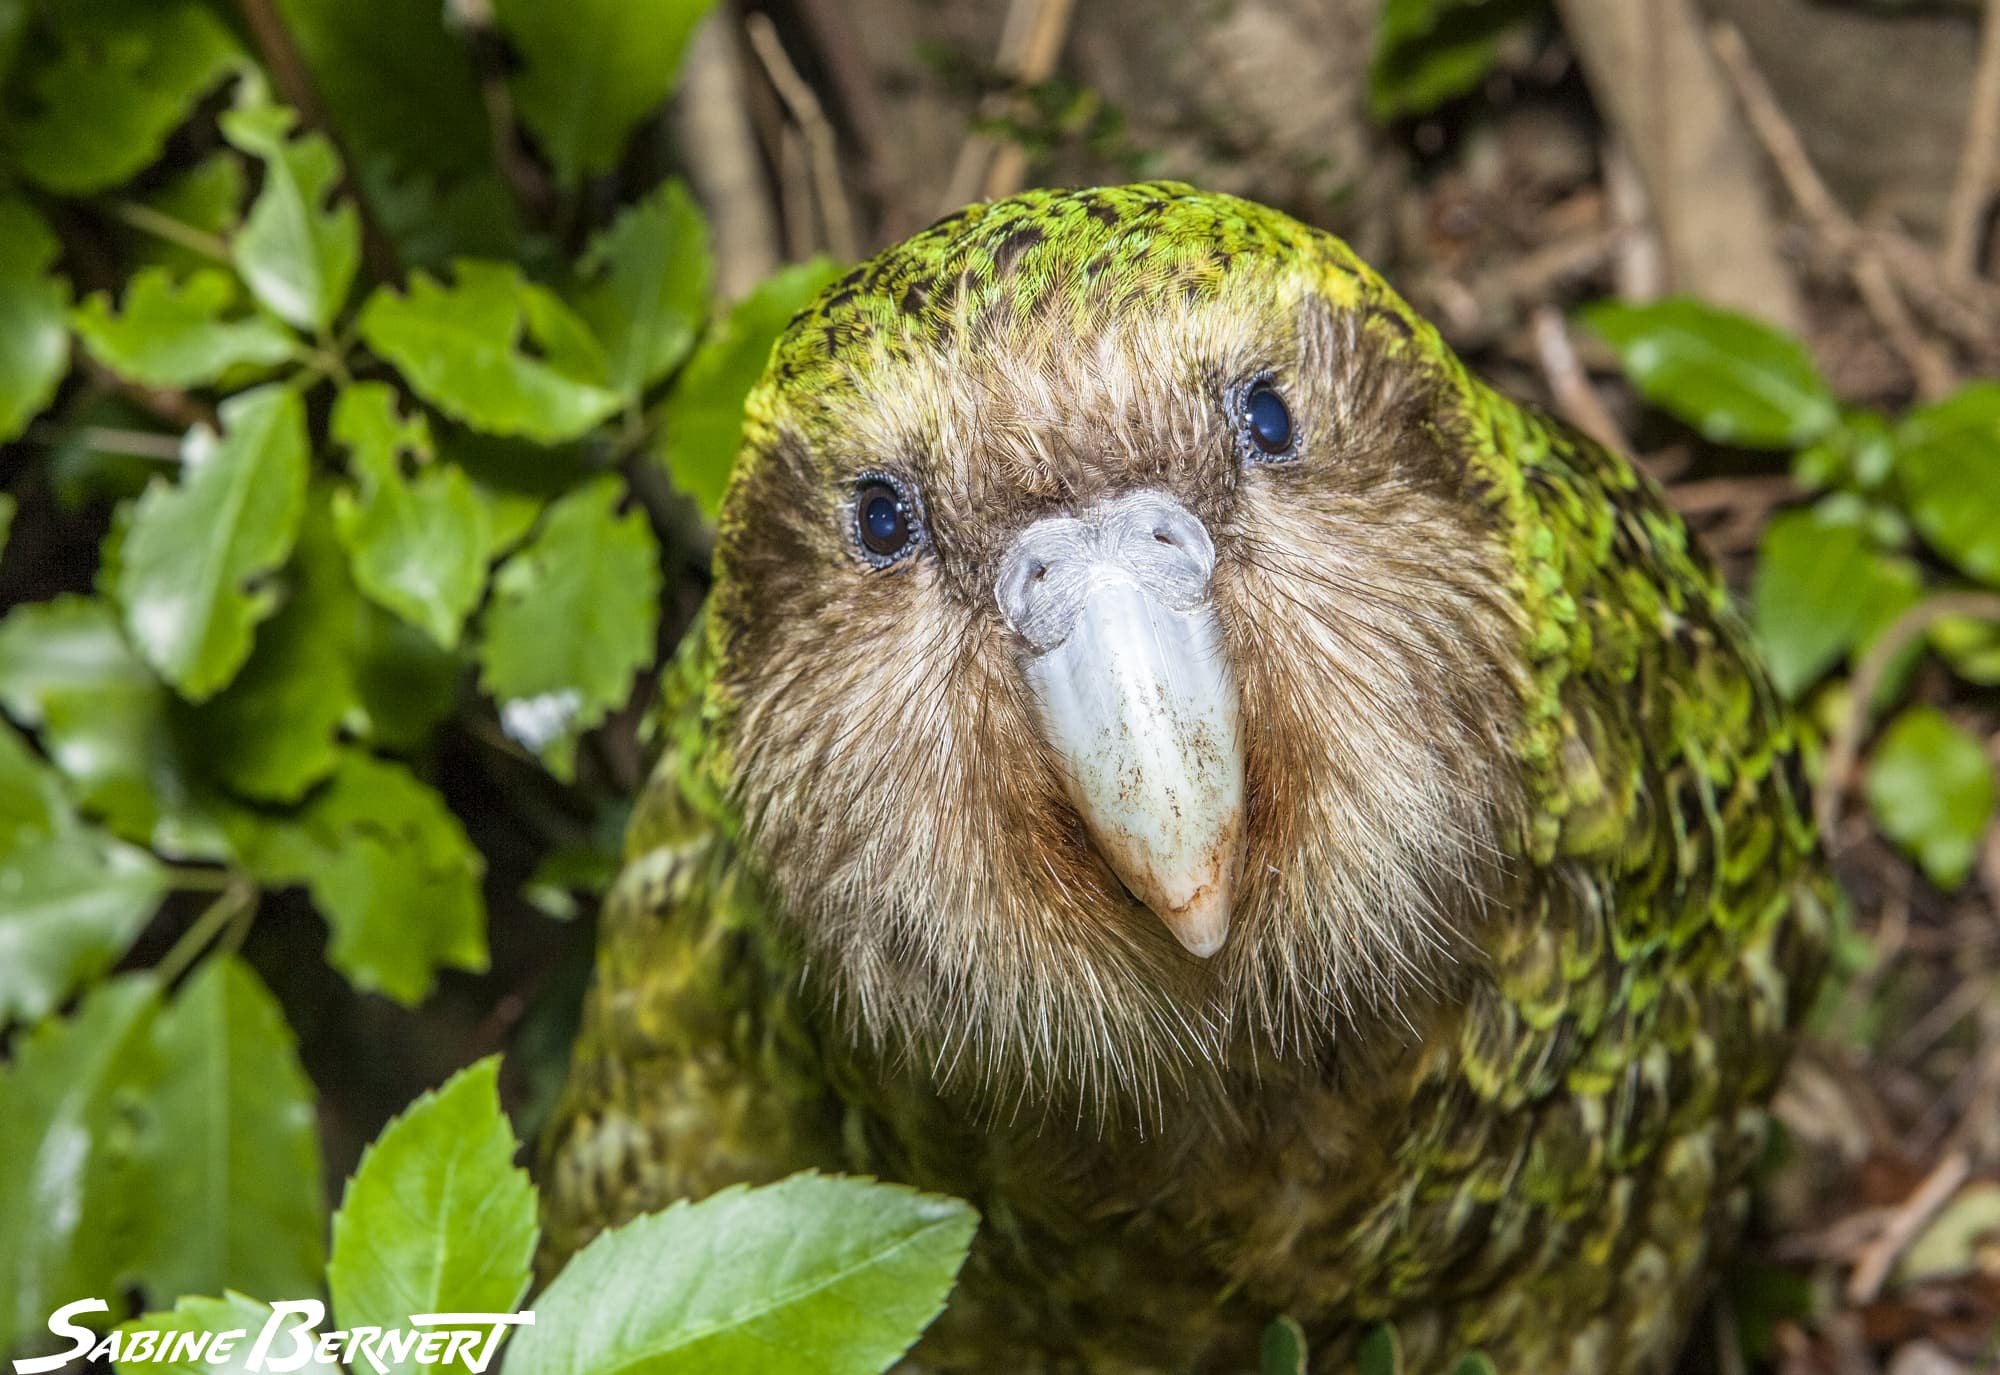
column 1548, row 1175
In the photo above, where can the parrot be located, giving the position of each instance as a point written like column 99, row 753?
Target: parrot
column 1170, row 757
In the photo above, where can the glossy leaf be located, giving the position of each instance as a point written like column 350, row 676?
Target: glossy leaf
column 573, row 619
column 437, row 1218
column 808, row 1276
column 190, row 573
column 591, row 70
column 177, row 334
column 127, row 73
column 72, row 900
column 460, row 348
column 397, row 82
column 34, row 329
column 297, row 255
column 647, row 287
column 1821, row 589
column 701, row 423
column 388, row 866
column 272, row 733
column 232, row 1150
column 1948, row 457
column 1930, row 786
column 419, row 544
column 66, row 1191
column 1736, row 380
column 109, row 726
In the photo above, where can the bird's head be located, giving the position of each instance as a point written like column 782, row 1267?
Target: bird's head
column 1119, row 650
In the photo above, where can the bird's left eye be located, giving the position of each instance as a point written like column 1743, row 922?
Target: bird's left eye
column 885, row 520
column 1264, row 423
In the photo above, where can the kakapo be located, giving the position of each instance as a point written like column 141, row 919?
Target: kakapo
column 1172, row 758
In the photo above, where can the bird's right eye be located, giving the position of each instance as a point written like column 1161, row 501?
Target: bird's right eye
column 886, row 525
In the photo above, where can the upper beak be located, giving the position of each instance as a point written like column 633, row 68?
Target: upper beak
column 1135, row 693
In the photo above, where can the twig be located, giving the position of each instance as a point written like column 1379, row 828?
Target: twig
column 723, row 161
column 295, row 84
column 1579, row 403
column 1900, row 1228
column 239, row 896
column 855, row 85
column 176, row 408
column 1930, row 369
column 164, row 448
column 1979, row 164
column 1905, row 630
column 836, row 215
column 532, row 186
column 163, row 226
column 1030, row 42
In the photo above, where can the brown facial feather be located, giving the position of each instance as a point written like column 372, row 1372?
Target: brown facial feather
column 898, row 797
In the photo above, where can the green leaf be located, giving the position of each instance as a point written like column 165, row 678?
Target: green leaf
column 31, row 798
column 175, row 334
column 1282, row 1351
column 702, row 420
column 1930, row 786
column 431, row 222
column 207, row 197
column 34, row 325
column 271, row 734
column 108, row 724
column 1736, row 380
column 7, row 507
column 574, row 617
column 232, row 1159
column 808, row 1276
column 436, row 1219
column 1473, row 1363
column 71, row 902
column 647, row 292
column 71, row 898
column 398, row 84
column 66, row 1192
column 1820, row 589
column 127, row 73
column 231, row 1313
column 189, row 565
column 591, row 70
column 459, row 347
column 298, row 257
column 1380, row 1353
column 1948, row 457
column 1430, row 51
column 419, row 545
column 1971, row 646
column 390, row 869
column 405, row 683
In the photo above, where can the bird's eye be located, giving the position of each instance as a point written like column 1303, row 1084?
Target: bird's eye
column 1265, row 423
column 885, row 520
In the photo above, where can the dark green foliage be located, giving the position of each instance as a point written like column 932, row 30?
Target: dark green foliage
column 363, row 443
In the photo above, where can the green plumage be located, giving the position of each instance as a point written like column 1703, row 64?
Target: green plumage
column 1541, row 1154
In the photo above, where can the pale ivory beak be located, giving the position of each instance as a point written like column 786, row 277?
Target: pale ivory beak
column 1135, row 693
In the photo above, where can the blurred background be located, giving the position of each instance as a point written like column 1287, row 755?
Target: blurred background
column 370, row 371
